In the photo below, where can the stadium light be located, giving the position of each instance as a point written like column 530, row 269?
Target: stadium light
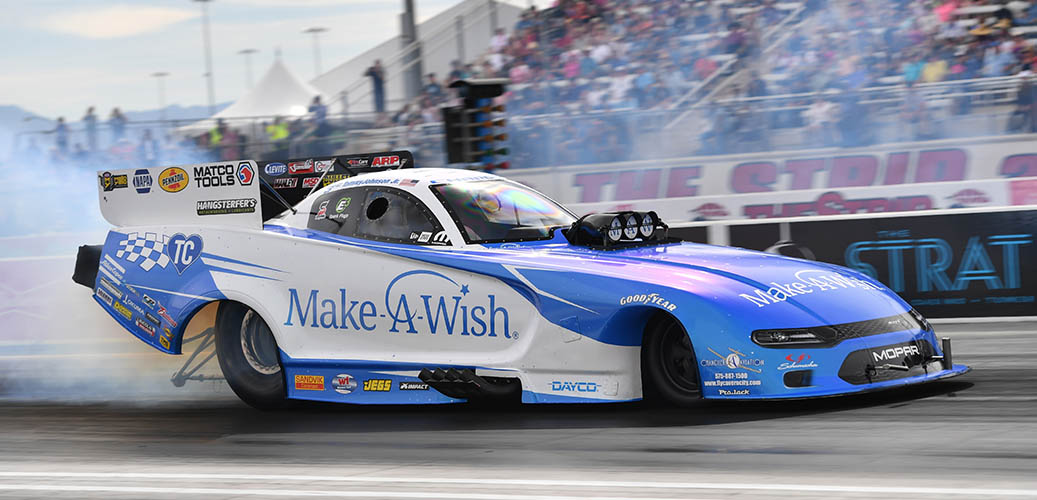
column 207, row 47
column 316, row 31
column 248, row 65
column 159, row 76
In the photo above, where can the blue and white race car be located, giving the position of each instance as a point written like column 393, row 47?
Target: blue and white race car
column 357, row 279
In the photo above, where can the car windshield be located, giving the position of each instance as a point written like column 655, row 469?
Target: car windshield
column 497, row 211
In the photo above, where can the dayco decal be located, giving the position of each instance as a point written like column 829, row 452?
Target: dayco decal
column 214, row 175
column 734, row 360
column 110, row 182
column 309, row 382
column 651, row 298
column 404, row 310
column 224, row 207
column 559, row 386
column 895, row 353
column 378, row 385
column 173, row 179
column 797, row 362
column 809, row 281
column 123, row 310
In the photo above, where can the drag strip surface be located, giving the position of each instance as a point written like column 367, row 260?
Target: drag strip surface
column 974, row 436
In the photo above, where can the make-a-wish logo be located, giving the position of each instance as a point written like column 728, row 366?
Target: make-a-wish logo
column 414, row 302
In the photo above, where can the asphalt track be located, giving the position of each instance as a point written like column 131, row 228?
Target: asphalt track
column 970, row 437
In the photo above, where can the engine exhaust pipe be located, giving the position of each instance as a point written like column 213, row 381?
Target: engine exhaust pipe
column 945, row 345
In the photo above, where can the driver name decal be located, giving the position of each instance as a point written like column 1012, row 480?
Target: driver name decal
column 415, row 302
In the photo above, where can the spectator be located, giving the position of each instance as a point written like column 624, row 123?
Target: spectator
column 499, row 41
column 820, row 118
column 117, row 124
column 915, row 114
column 377, row 75
column 1024, row 118
column 61, row 136
column 433, row 89
column 319, row 112
column 90, row 124
column 457, row 72
column 148, row 149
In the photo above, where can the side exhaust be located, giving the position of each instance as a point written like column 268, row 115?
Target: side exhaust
column 945, row 346
column 87, row 261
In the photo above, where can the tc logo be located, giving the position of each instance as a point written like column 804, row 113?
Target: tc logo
column 184, row 250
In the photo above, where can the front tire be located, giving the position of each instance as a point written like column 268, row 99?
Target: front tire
column 248, row 356
column 669, row 368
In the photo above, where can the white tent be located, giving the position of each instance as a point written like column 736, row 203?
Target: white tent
column 278, row 93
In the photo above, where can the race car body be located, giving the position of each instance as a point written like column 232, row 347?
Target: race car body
column 407, row 285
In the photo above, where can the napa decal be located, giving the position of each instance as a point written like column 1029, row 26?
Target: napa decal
column 415, row 302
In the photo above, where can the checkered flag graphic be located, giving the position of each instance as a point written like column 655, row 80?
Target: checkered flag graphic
column 149, row 250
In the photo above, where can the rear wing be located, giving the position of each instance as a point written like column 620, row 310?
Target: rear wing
column 230, row 193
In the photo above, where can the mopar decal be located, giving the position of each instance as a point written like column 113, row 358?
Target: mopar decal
column 406, row 308
column 895, row 353
column 808, row 281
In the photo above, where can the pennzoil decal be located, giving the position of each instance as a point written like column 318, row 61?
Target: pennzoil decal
column 173, row 179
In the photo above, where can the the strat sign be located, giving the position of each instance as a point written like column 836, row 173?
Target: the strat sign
column 705, row 176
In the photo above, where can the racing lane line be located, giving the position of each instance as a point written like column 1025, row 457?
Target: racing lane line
column 535, row 482
column 313, row 493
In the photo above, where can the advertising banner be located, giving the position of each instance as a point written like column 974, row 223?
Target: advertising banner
column 948, row 265
column 901, row 198
column 828, row 169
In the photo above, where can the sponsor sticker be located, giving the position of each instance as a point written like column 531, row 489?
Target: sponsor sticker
column 309, row 382
column 206, row 176
column 322, row 166
column 110, row 182
column 793, row 362
column 246, row 173
column 147, row 327
column 111, row 287
column 333, row 178
column 309, row 182
column 343, row 204
column 424, row 237
column 300, row 167
column 650, row 298
column 165, row 315
column 225, row 207
column 357, row 162
column 386, row 161
column 151, row 318
column 409, row 182
column 275, row 169
column 173, row 179
column 569, row 386
column 733, row 392
column 285, row 183
column 123, row 310
column 322, row 211
column 413, row 386
column 142, row 181
column 733, row 361
column 149, row 301
column 440, row 238
column 104, row 296
column 378, row 385
column 164, row 341
column 343, row 383
column 895, row 353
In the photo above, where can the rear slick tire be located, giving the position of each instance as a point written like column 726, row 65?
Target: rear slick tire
column 669, row 368
column 248, row 357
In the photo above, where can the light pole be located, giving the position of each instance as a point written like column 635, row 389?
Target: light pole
column 248, row 65
column 316, row 31
column 159, row 76
column 206, row 41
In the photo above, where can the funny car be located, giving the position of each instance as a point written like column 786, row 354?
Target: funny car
column 361, row 279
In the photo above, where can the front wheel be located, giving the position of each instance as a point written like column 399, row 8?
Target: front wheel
column 669, row 370
column 248, row 356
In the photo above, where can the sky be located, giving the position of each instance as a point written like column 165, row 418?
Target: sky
column 60, row 56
